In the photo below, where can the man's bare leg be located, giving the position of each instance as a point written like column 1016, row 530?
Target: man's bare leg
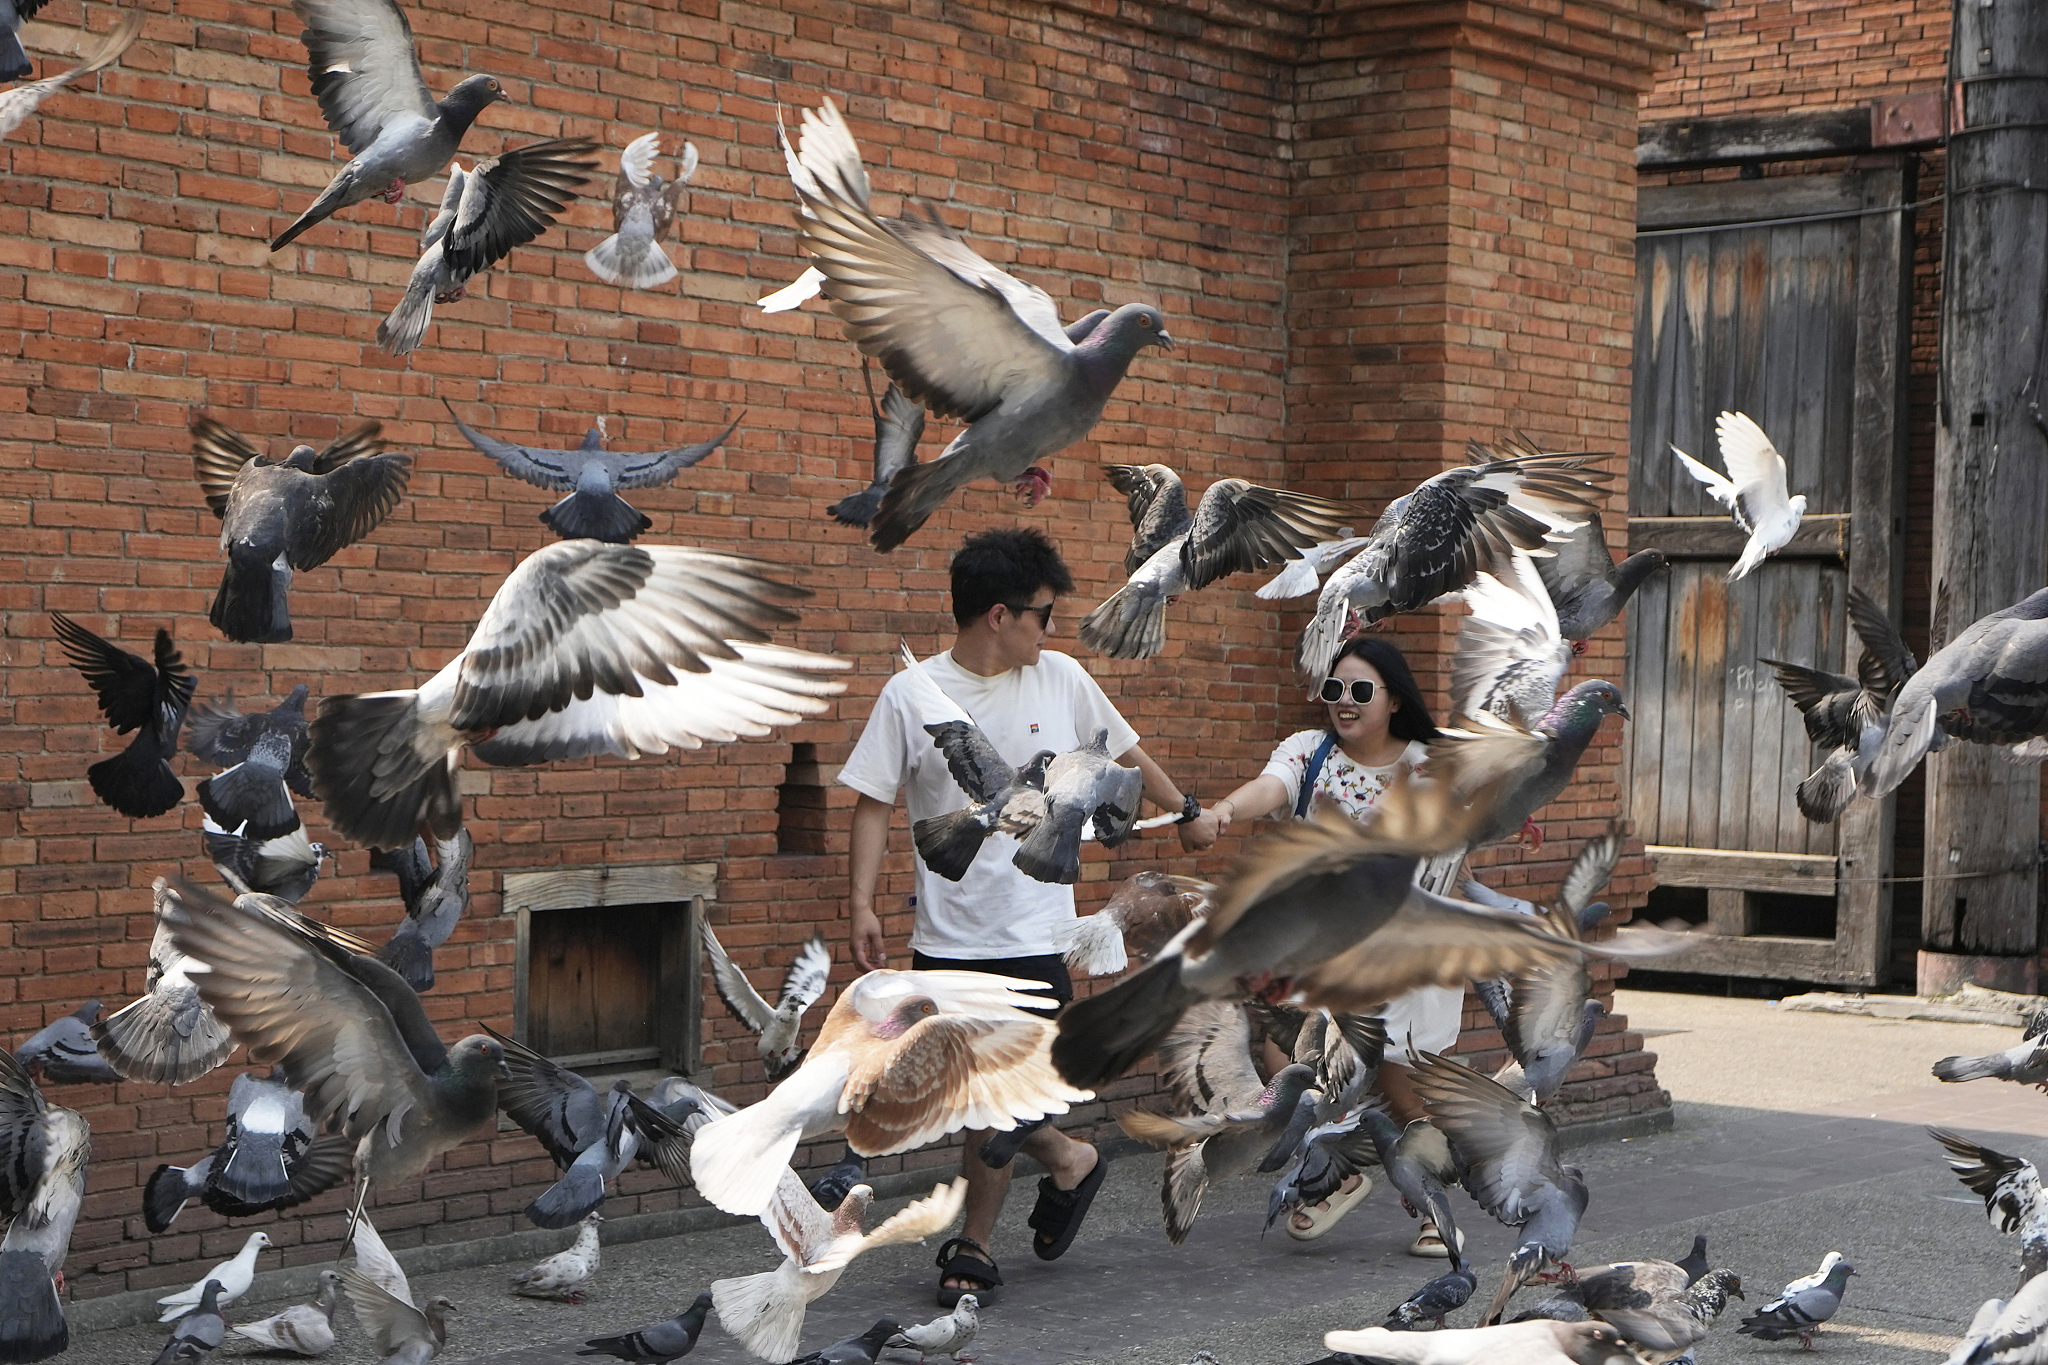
column 1069, row 1162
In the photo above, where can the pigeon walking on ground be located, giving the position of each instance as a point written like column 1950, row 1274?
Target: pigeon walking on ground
column 234, row 1276
column 658, row 1342
column 1848, row 715
column 2010, row 1187
column 1754, row 491
column 561, row 1276
column 1652, row 1304
column 305, row 1329
column 170, row 1035
column 778, row 1026
column 44, row 1149
column 1429, row 542
column 1237, row 526
column 592, row 478
column 856, row 1350
column 585, row 648
column 2026, row 1062
column 1437, row 1300
column 500, row 203
column 903, row 1059
column 899, row 426
column 946, row 1336
column 957, row 335
column 1802, row 1309
column 149, row 699
column 1146, row 911
column 64, row 1051
column 643, row 212
column 366, row 75
column 436, row 893
column 281, row 517
column 200, row 1328
column 1521, row 1343
column 272, row 1157
column 1586, row 586
column 17, row 104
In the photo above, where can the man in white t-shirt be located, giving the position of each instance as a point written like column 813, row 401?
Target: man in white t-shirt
column 1025, row 699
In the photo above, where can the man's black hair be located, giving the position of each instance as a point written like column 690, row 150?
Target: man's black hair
column 1009, row 564
column 1412, row 719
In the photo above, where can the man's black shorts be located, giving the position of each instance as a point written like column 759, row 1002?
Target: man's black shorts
column 1050, row 968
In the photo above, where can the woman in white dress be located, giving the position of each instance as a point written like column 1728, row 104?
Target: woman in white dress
column 1378, row 726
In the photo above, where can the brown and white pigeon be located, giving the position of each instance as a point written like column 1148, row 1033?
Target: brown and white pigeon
column 643, row 212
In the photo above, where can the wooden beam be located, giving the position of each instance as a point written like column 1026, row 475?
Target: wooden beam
column 1729, row 203
column 1681, row 144
column 1824, row 535
column 1798, row 874
column 576, row 888
column 1784, row 959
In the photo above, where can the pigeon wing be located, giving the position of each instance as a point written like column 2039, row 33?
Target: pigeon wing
column 657, row 467
column 914, row 1222
column 1587, row 874
column 365, row 73
column 802, row 1230
column 556, row 470
column 551, row 1102
column 1580, row 559
column 17, row 104
column 899, row 426
column 375, row 1263
column 636, row 162
column 219, row 453
column 1430, row 941
column 805, row 980
column 1509, row 1146
column 1158, row 506
column 219, row 733
column 21, row 1155
column 1881, row 640
column 1205, row 1060
column 513, row 198
column 390, row 1322
column 346, row 506
column 734, row 989
column 366, row 439
column 1511, row 653
column 127, row 684
column 1240, row 526
column 1755, row 469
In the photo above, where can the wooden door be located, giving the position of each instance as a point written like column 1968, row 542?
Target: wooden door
column 1785, row 299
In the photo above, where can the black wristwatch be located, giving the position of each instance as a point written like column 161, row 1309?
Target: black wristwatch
column 1190, row 809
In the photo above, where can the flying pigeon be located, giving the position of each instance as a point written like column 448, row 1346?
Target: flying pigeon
column 1437, row 1300
column 259, row 753
column 780, row 1026
column 585, row 648
column 1802, row 1309
column 272, row 1157
column 643, row 212
column 2026, row 1062
column 1238, row 526
column 292, row 1000
column 1147, row 910
column 1551, row 1014
column 1510, row 655
column 366, row 75
column 1585, row 584
column 1983, row 687
column 946, row 1336
column 766, row 1311
column 169, row 1036
column 1087, row 795
column 1848, row 715
column 1421, row 1164
column 856, row 1350
column 1510, row 1154
column 903, row 1059
column 233, row 1276
column 899, row 426
column 1299, row 577
column 561, row 1275
column 1431, row 541
column 278, row 517
column 957, row 335
column 1558, row 739
column 657, row 1343
column 1236, row 1120
column 400, row 1333
column 64, row 1051
column 44, row 1149
column 591, row 476
column 1753, row 491
column 305, row 1329
column 136, row 695
column 17, row 104
column 285, row 867
column 200, row 1329
column 1521, row 1343
column 436, row 893
column 500, row 203
column 2010, row 1187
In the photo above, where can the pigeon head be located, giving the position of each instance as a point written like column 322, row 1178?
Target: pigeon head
column 1032, row 774
column 1578, row 713
column 297, row 700
column 900, row 1020
column 1286, row 1087
column 1107, row 351
column 302, row 457
column 470, row 97
column 1723, row 1282
column 477, row 1058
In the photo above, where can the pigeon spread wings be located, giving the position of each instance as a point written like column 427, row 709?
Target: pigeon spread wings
column 556, row 1105
column 1755, row 469
column 1240, row 526
column 375, row 1263
column 636, row 162
column 805, row 980
column 390, row 1322
column 1206, row 1059
column 917, row 1220
column 365, row 72
column 734, row 989
column 1158, row 506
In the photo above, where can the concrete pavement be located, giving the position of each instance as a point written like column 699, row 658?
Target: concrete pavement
column 1796, row 1134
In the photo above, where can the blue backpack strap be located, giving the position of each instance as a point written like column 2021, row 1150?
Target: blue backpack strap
column 1315, row 770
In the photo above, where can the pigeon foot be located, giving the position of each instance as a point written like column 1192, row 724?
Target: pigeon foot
column 1578, row 646
column 396, row 193
column 452, row 296
column 1532, row 833
column 1033, row 487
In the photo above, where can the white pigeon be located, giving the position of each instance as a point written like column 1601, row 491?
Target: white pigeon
column 560, row 1275
column 1539, row 1342
column 766, row 1311
column 1302, row 576
column 1754, row 490
column 2009, row 1332
column 234, row 1277
column 946, row 1336
column 1511, row 654
column 305, row 1329
column 780, row 1026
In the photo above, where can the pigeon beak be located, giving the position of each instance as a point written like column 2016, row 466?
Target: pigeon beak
column 1621, row 709
column 1165, row 340
column 504, row 1070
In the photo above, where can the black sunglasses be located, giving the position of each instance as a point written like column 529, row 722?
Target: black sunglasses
column 1043, row 613
column 1362, row 690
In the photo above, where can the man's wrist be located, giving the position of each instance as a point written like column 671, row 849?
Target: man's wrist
column 1190, row 810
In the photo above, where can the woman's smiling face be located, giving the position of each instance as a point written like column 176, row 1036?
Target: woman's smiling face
column 1355, row 723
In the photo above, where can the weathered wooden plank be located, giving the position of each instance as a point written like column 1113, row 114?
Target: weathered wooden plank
column 627, row 884
column 679, row 992
column 1729, row 913
column 1648, row 617
column 1730, row 140
column 1798, row 874
column 1767, row 956
column 1737, row 201
column 1733, row 683
column 1822, row 536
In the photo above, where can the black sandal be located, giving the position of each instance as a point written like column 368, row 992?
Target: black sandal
column 1057, row 1215
column 976, row 1265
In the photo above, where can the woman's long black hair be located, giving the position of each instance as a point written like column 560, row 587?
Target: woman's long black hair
column 1411, row 720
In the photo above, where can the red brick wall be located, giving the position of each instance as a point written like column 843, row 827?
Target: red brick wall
column 1154, row 155
column 1770, row 56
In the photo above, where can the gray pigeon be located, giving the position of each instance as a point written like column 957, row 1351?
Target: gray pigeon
column 1847, row 715
column 1237, row 526
column 43, row 1154
column 779, row 1027
column 1985, row 686
column 305, row 1329
column 1421, row 1164
column 957, row 335
column 1329, row 1154
column 135, row 695
column 500, row 203
column 64, row 1051
column 643, row 212
column 17, row 104
column 658, row 1342
column 258, row 753
column 1586, row 586
column 591, row 476
column 1235, row 1120
column 1652, row 1304
column 1437, row 1300
column 899, row 426
column 366, row 75
column 1510, row 1155
column 331, row 1035
column 14, row 62
column 435, row 894
column 169, row 1036
column 285, row 867
column 1546, row 769
column 1303, row 912
column 2010, row 1187
column 281, row 517
column 1800, row 1312
column 855, row 1350
column 1429, row 542
column 198, row 1332
column 401, row 1333
column 544, row 676
column 1087, row 795
column 271, row 1157
column 946, row 1336
column 2026, row 1062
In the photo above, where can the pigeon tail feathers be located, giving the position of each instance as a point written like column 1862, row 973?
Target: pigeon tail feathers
column 948, row 843
column 165, row 1196
column 765, row 1311
column 410, row 956
column 137, row 782
column 247, row 792
column 251, row 605
column 1104, row 1036
column 1093, row 945
column 255, row 1172
column 915, row 493
column 859, row 510
column 354, row 739
column 1126, row 626
column 638, row 263
column 596, row 516
column 567, row 1201
column 400, row 333
column 1970, row 1068
column 32, row 1325
column 148, row 1041
column 1827, row 790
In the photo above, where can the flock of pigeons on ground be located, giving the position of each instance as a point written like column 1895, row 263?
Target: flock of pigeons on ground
column 595, row 644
